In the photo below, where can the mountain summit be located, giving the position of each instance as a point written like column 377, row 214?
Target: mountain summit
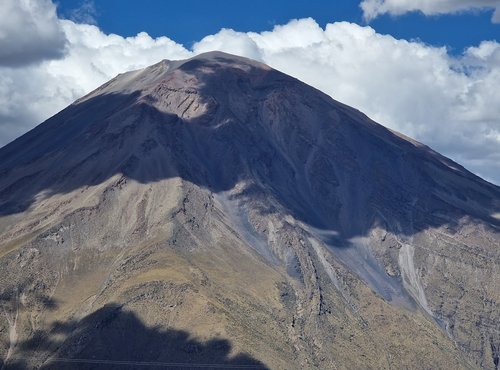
column 217, row 212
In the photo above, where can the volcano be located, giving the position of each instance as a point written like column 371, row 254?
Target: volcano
column 215, row 212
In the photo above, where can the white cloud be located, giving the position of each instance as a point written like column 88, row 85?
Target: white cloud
column 29, row 32
column 226, row 39
column 450, row 103
column 374, row 8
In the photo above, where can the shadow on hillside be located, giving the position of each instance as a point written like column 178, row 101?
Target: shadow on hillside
column 364, row 174
column 11, row 296
column 112, row 338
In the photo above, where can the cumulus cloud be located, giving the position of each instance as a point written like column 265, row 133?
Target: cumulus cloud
column 374, row 8
column 450, row 103
column 226, row 39
column 29, row 32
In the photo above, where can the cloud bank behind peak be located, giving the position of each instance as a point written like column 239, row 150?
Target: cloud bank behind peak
column 374, row 8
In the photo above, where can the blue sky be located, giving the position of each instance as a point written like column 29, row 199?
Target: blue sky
column 188, row 21
column 429, row 69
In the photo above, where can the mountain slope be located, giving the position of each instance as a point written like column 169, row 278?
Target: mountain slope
column 221, row 198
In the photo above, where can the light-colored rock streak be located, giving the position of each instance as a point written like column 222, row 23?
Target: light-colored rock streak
column 410, row 276
column 328, row 268
column 331, row 273
column 239, row 221
column 12, row 321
